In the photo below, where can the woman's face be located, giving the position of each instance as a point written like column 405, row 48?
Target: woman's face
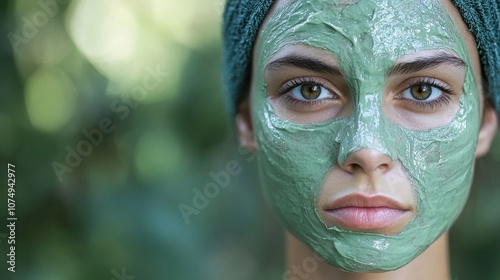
column 366, row 119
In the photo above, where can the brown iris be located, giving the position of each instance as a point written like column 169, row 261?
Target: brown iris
column 310, row 91
column 421, row 92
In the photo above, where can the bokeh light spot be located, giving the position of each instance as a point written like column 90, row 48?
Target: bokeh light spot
column 50, row 99
column 105, row 31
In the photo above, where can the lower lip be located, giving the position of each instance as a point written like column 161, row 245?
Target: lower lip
column 365, row 218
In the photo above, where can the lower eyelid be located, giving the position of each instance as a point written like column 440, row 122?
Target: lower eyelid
column 445, row 99
column 300, row 104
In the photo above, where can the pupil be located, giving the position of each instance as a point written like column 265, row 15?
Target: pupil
column 421, row 92
column 310, row 91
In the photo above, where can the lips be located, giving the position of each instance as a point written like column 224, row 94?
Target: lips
column 358, row 212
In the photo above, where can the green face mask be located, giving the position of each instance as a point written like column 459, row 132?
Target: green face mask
column 294, row 159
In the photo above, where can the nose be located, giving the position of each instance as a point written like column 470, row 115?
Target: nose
column 368, row 161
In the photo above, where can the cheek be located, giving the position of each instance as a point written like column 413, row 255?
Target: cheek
column 294, row 160
column 440, row 163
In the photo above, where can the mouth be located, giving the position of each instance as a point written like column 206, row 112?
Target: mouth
column 378, row 214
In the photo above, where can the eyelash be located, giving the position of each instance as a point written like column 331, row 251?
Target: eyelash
column 444, row 99
column 286, row 87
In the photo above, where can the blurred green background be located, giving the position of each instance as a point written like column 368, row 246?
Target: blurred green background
column 113, row 113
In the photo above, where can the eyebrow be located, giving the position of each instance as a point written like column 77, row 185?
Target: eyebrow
column 424, row 63
column 304, row 62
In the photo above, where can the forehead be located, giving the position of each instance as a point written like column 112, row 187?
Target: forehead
column 385, row 30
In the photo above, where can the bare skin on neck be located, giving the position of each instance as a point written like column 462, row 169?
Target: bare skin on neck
column 432, row 264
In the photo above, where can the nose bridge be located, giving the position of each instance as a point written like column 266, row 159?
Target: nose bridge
column 365, row 129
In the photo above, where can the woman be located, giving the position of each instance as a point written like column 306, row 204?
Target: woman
column 366, row 117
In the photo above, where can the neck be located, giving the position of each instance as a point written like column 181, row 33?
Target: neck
column 432, row 264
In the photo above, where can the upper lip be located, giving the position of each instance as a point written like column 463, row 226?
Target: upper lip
column 364, row 201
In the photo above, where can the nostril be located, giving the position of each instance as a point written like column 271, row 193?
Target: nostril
column 367, row 161
column 352, row 168
column 383, row 167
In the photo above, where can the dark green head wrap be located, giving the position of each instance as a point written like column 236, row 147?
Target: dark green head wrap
column 242, row 19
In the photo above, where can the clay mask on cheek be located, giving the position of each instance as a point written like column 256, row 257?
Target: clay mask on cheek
column 294, row 159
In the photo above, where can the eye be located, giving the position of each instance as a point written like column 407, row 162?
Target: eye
column 310, row 91
column 428, row 93
column 309, row 95
column 422, row 92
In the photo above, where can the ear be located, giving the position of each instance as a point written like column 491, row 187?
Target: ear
column 487, row 131
column 245, row 127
